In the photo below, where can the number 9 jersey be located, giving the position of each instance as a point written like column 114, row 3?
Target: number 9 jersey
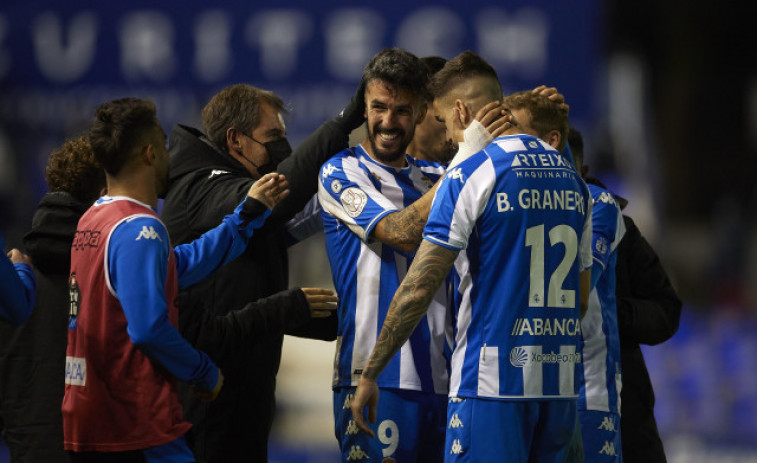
column 522, row 215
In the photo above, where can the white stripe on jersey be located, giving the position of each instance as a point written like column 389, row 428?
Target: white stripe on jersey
column 488, row 371
column 595, row 356
column 533, row 373
column 366, row 315
column 470, row 206
column 463, row 322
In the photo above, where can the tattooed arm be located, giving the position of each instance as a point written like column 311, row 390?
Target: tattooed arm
column 403, row 229
column 428, row 270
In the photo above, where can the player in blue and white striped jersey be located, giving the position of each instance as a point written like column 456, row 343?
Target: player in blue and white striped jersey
column 521, row 215
column 599, row 399
column 376, row 200
column 374, row 212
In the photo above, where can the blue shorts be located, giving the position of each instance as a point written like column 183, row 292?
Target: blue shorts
column 409, row 427
column 600, row 433
column 508, row 431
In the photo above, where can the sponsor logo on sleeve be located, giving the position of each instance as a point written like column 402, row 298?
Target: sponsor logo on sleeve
column 148, row 233
column 456, row 174
column 329, row 169
column 353, row 201
column 336, row 186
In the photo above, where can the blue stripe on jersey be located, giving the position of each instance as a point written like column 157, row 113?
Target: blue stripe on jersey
column 600, row 376
column 356, row 192
column 521, row 213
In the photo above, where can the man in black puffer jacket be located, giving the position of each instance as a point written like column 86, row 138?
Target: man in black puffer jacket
column 33, row 356
column 648, row 313
column 244, row 138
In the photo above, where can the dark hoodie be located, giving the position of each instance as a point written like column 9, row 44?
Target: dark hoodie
column 205, row 184
column 32, row 357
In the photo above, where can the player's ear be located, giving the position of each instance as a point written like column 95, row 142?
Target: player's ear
column 553, row 138
column 422, row 114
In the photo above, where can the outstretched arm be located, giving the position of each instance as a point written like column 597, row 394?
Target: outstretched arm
column 428, row 270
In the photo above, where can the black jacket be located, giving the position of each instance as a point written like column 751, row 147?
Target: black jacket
column 648, row 313
column 206, row 184
column 32, row 357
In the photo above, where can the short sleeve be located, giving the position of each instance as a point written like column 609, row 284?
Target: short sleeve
column 346, row 191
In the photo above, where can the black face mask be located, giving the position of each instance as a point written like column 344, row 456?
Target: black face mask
column 277, row 150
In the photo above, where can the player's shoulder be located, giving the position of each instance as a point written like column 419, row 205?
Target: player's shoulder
column 141, row 227
column 338, row 161
column 602, row 195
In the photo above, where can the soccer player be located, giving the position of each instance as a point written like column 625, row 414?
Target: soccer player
column 376, row 200
column 649, row 310
column 18, row 286
column 599, row 399
column 430, row 142
column 124, row 352
column 521, row 215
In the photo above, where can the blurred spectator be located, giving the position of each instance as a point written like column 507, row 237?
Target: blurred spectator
column 648, row 313
column 33, row 356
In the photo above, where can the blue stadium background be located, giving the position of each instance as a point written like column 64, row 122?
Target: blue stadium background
column 665, row 99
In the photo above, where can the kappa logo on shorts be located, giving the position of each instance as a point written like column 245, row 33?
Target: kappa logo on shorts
column 356, row 454
column 457, row 448
column 607, row 424
column 455, row 422
column 148, row 233
column 353, row 201
column 608, row 449
column 348, row 401
column 601, row 245
column 456, row 400
column 352, row 428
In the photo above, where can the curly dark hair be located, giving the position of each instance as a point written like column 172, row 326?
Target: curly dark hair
column 399, row 68
column 73, row 168
column 118, row 127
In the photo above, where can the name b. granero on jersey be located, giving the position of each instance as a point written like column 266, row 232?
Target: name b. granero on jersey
column 86, row 238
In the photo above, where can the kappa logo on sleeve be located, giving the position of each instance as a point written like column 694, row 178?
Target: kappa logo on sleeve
column 329, row 169
column 148, row 233
column 353, row 201
column 456, row 174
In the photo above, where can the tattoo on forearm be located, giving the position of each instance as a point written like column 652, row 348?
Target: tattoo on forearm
column 406, row 227
column 428, row 271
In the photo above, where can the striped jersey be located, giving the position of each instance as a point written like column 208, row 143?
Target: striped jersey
column 521, row 214
column 356, row 192
column 601, row 381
